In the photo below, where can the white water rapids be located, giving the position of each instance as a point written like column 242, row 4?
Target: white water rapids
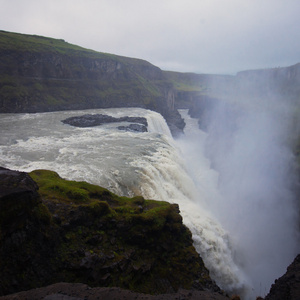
column 150, row 164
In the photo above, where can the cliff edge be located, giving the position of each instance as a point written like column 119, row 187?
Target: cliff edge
column 53, row 230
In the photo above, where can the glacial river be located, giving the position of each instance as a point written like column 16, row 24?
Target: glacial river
column 229, row 232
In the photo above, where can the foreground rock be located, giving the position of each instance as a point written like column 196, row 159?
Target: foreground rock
column 288, row 286
column 53, row 230
column 78, row 291
column 134, row 128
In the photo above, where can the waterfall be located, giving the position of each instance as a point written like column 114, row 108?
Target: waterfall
column 250, row 178
column 155, row 166
column 173, row 174
column 157, row 124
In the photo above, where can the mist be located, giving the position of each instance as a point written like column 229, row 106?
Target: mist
column 249, row 145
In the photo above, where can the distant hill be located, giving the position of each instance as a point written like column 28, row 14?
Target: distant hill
column 274, row 82
column 43, row 74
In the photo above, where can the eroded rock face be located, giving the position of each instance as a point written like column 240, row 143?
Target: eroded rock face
column 25, row 236
column 287, row 287
column 18, row 195
column 14, row 183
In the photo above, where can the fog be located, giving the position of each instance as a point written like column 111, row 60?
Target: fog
column 249, row 145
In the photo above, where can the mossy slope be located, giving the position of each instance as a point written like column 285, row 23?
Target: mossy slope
column 78, row 232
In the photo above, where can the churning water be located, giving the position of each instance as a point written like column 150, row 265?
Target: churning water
column 155, row 166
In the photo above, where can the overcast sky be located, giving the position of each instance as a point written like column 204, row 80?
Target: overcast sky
column 202, row 36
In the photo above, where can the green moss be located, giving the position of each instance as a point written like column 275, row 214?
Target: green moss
column 54, row 187
column 100, row 200
column 102, row 232
column 97, row 201
column 98, row 208
column 51, row 100
column 42, row 213
column 138, row 200
column 35, row 43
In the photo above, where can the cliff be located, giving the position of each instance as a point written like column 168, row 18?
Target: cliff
column 53, row 230
column 283, row 83
column 201, row 92
column 40, row 74
column 287, row 286
column 189, row 88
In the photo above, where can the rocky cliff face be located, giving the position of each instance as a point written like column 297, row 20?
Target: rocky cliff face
column 42, row 74
column 288, row 286
column 25, row 234
column 275, row 83
column 53, row 230
column 283, row 83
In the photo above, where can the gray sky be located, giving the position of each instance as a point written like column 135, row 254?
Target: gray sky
column 202, row 36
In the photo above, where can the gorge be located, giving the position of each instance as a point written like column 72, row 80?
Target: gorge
column 235, row 181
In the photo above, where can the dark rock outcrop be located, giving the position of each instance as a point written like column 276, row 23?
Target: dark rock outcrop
column 134, row 128
column 287, row 287
column 26, row 236
column 18, row 196
column 78, row 291
column 99, row 119
column 53, row 230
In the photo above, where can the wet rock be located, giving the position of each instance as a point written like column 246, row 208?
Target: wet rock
column 14, row 183
column 175, row 122
column 89, row 260
column 90, row 120
column 134, row 128
column 288, row 286
column 18, row 196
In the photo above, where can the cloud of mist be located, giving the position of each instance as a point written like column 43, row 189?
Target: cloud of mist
column 248, row 145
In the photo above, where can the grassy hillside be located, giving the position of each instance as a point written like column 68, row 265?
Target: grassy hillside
column 187, row 82
column 191, row 88
column 45, row 74
column 34, row 43
column 55, row 230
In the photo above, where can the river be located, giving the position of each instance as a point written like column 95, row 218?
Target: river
column 156, row 166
